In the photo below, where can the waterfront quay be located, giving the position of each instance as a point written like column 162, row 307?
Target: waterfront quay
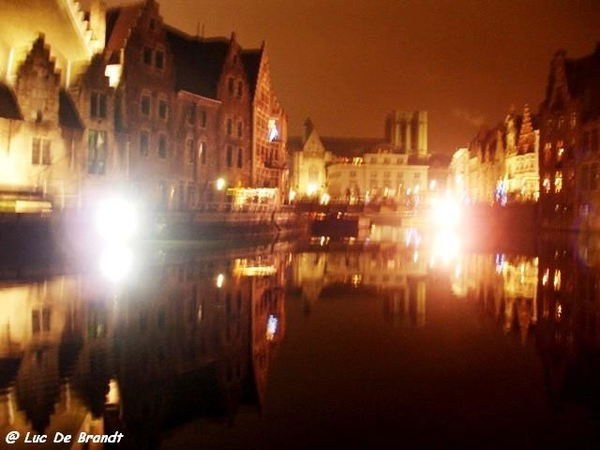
column 284, row 342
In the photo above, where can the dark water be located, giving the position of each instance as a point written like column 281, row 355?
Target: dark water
column 429, row 343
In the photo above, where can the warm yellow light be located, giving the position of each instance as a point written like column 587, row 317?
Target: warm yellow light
column 220, row 280
column 113, row 73
column 311, row 189
column 220, row 184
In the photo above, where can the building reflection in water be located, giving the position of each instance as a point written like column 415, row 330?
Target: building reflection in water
column 192, row 335
column 189, row 336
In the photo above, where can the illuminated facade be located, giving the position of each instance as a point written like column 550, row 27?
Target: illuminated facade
column 309, row 162
column 379, row 175
column 500, row 165
column 115, row 100
column 269, row 125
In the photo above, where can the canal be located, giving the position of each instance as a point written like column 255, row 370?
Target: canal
column 429, row 342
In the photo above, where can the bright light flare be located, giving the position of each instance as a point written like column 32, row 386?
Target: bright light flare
column 446, row 246
column 116, row 263
column 116, row 220
column 446, row 212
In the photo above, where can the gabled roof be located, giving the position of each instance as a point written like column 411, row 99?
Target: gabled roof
column 9, row 108
column 119, row 23
column 582, row 78
column 341, row 146
column 67, row 112
column 251, row 59
column 198, row 62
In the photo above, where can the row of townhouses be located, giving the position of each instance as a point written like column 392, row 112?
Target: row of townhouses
column 116, row 99
column 550, row 158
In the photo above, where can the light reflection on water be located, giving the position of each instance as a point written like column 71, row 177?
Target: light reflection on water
column 278, row 348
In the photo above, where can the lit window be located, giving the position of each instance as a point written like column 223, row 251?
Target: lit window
column 203, row 153
column 40, row 152
column 546, row 184
column 558, row 179
column 273, row 131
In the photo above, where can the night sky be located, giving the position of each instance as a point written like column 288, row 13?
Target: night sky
column 347, row 63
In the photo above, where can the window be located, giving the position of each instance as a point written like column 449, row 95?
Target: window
column 191, row 114
column 159, row 59
column 203, row 153
column 145, row 105
column 560, row 151
column 229, row 156
column 190, row 151
column 240, row 89
column 230, row 85
column 162, row 109
column 558, row 178
column 40, row 322
column 162, row 146
column 240, row 158
column 96, row 152
column 147, row 56
column 229, row 127
column 98, row 105
column 240, row 129
column 40, row 152
column 547, row 152
column 203, row 119
column 144, row 143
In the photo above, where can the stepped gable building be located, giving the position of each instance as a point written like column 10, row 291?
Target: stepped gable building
column 500, row 164
column 569, row 127
column 115, row 99
column 45, row 47
column 214, row 111
column 269, row 124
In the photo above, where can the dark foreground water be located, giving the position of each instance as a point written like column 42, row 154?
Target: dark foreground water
column 431, row 343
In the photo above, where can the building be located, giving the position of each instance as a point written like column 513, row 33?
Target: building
column 500, row 165
column 117, row 100
column 569, row 117
column 407, row 132
column 393, row 169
